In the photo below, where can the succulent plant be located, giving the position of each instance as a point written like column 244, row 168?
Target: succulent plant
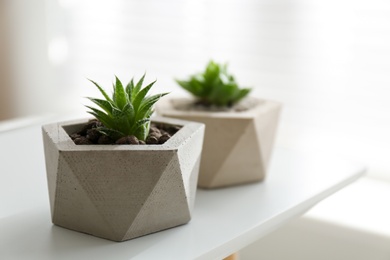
column 127, row 112
column 215, row 86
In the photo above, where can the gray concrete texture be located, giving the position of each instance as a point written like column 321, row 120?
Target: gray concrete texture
column 237, row 146
column 120, row 192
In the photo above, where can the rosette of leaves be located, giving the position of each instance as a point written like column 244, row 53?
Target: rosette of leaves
column 215, row 86
column 127, row 112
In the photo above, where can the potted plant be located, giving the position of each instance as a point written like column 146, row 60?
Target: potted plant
column 240, row 129
column 122, row 175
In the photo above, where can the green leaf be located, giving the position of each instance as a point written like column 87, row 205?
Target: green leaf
column 129, row 110
column 147, row 105
column 129, row 89
column 199, row 88
column 137, row 88
column 119, row 94
column 142, row 129
column 122, row 123
column 214, row 86
column 128, row 117
column 99, row 115
column 142, row 121
column 187, row 86
column 241, row 94
column 141, row 95
column 104, row 104
column 212, row 73
column 101, row 91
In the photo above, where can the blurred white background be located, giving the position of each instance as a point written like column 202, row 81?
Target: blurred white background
column 328, row 62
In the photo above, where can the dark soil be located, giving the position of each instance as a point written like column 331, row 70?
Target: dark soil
column 89, row 134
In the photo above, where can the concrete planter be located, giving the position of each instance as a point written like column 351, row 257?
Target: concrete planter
column 120, row 192
column 237, row 145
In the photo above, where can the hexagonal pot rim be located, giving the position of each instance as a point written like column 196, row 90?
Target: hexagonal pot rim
column 65, row 143
column 260, row 107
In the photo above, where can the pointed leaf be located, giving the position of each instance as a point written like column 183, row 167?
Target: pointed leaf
column 149, row 113
column 212, row 71
column 241, row 94
column 129, row 89
column 102, row 117
column 192, row 86
column 147, row 104
column 137, row 88
column 104, row 104
column 101, row 90
column 119, row 94
column 141, row 95
column 142, row 129
column 142, row 121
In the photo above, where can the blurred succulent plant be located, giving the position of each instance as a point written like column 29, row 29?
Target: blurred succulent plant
column 127, row 112
column 215, row 86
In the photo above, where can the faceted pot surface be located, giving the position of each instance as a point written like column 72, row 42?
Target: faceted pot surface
column 238, row 144
column 120, row 192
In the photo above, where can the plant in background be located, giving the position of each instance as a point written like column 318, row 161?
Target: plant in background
column 214, row 86
column 128, row 112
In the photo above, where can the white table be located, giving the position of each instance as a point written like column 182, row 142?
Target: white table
column 224, row 220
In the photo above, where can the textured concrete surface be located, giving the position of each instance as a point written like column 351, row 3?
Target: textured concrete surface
column 237, row 146
column 119, row 192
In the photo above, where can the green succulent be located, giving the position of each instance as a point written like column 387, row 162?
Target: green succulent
column 127, row 112
column 215, row 86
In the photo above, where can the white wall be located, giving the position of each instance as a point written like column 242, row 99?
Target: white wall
column 327, row 61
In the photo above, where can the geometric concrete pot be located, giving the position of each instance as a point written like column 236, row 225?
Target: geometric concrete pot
column 237, row 146
column 120, row 192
